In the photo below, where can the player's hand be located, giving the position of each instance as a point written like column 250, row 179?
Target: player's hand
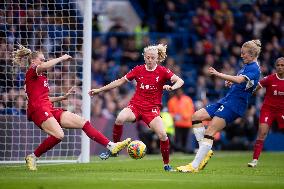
column 93, row 92
column 66, row 57
column 167, row 88
column 212, row 71
column 228, row 83
column 70, row 92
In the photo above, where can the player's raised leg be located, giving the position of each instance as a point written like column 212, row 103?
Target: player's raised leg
column 71, row 120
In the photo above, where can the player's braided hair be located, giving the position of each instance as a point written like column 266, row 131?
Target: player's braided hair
column 23, row 52
column 161, row 49
column 254, row 47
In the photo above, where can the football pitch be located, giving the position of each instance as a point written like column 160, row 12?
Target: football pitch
column 224, row 170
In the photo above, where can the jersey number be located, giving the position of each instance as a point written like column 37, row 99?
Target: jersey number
column 250, row 84
column 221, row 108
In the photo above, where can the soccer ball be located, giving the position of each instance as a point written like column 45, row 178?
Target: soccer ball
column 136, row 149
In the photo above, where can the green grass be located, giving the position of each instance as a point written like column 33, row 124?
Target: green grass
column 225, row 170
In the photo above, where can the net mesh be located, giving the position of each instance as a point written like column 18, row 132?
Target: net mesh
column 54, row 27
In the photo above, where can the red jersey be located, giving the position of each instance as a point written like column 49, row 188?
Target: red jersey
column 149, row 89
column 37, row 90
column 274, row 96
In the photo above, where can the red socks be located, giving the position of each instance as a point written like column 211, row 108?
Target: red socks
column 165, row 150
column 257, row 148
column 94, row 134
column 117, row 132
column 46, row 145
column 51, row 141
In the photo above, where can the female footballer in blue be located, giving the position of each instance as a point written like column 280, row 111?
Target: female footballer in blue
column 227, row 109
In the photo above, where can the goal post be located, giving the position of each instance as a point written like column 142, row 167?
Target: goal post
column 52, row 27
column 87, row 58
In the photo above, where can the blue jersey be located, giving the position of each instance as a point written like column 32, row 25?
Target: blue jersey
column 238, row 96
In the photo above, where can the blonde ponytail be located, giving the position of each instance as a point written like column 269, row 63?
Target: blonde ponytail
column 20, row 53
column 161, row 51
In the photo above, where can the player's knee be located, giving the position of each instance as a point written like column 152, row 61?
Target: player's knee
column 262, row 135
column 59, row 135
column 211, row 131
column 119, row 121
column 83, row 121
column 198, row 116
column 162, row 136
column 262, row 132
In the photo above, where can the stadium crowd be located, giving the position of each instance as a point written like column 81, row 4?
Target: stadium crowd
column 199, row 34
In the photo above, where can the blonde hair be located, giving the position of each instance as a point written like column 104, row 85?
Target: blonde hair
column 23, row 52
column 254, row 47
column 161, row 50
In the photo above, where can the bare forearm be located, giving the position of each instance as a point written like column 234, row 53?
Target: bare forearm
column 114, row 84
column 49, row 64
column 57, row 99
column 234, row 79
column 178, row 84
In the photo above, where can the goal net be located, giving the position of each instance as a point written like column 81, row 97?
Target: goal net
column 54, row 27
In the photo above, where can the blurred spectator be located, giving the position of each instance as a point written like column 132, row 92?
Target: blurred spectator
column 140, row 31
column 273, row 28
column 224, row 20
column 181, row 108
column 170, row 17
column 113, row 50
column 205, row 21
column 131, row 56
column 95, row 23
column 118, row 26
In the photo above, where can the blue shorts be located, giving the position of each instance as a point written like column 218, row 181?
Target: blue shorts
column 221, row 111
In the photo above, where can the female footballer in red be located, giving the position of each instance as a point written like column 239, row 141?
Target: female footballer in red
column 272, row 108
column 41, row 111
column 146, row 103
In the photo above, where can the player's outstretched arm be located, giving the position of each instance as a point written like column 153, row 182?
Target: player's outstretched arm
column 234, row 79
column 178, row 82
column 64, row 97
column 49, row 64
column 114, row 84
